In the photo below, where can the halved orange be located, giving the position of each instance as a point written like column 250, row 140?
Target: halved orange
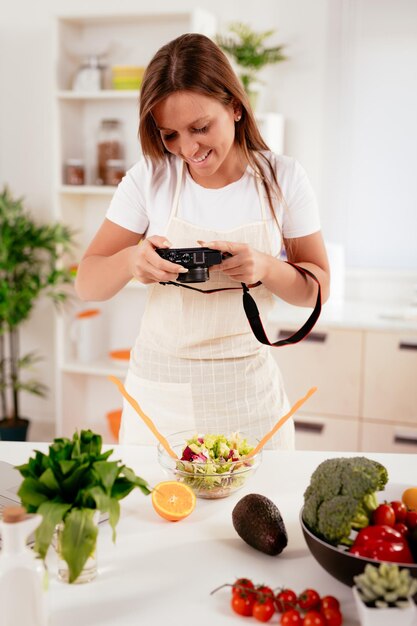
column 173, row 500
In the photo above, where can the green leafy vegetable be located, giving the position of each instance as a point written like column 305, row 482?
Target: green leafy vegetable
column 69, row 484
column 341, row 497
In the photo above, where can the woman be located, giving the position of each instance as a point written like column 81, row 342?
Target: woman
column 207, row 178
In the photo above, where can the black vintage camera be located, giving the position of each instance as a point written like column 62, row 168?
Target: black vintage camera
column 196, row 260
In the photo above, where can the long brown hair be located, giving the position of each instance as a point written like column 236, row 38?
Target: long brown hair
column 193, row 62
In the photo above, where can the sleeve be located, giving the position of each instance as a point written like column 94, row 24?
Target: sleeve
column 300, row 212
column 128, row 205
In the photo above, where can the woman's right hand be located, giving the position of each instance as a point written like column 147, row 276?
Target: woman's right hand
column 148, row 267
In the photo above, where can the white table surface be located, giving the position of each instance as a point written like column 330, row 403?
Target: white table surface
column 160, row 572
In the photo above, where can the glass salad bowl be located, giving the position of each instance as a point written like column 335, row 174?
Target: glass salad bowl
column 213, row 465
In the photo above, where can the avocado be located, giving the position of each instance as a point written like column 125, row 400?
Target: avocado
column 257, row 521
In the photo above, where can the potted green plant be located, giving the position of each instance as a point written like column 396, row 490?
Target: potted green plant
column 384, row 595
column 29, row 253
column 248, row 50
column 69, row 486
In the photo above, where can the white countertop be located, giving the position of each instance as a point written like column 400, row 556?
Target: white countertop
column 160, row 572
column 349, row 314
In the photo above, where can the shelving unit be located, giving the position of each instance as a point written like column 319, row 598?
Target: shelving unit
column 84, row 395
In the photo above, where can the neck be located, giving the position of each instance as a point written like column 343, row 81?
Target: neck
column 229, row 172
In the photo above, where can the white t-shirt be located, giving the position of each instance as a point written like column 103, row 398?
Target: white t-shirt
column 143, row 200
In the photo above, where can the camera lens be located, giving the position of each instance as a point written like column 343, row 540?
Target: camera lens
column 194, row 275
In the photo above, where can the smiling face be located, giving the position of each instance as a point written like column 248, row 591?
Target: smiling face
column 201, row 130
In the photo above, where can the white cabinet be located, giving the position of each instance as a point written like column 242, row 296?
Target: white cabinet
column 366, row 381
column 84, row 395
column 388, row 437
column 390, row 371
column 313, row 432
column 329, row 360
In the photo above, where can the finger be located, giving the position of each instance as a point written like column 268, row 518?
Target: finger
column 167, row 266
column 158, row 275
column 226, row 246
column 163, row 264
column 231, row 263
column 158, row 241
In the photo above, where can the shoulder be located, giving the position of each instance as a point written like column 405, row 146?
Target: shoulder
column 147, row 173
column 288, row 170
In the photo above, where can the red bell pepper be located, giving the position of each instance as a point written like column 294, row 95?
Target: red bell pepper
column 382, row 543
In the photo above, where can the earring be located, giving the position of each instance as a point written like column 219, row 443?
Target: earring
column 238, row 118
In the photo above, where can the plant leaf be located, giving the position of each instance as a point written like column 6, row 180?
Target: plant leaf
column 90, row 443
column 67, row 466
column 32, row 493
column 107, row 472
column 78, row 540
column 52, row 514
column 107, row 504
column 48, row 479
column 136, row 480
column 121, row 488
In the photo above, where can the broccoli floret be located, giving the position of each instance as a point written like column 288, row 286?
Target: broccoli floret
column 341, row 496
column 363, row 476
column 327, row 479
column 335, row 517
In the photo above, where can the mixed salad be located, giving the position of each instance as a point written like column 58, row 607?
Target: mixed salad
column 215, row 463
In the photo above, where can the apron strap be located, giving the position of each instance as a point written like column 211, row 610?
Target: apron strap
column 252, row 311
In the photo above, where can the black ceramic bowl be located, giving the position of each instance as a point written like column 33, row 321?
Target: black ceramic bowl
column 337, row 562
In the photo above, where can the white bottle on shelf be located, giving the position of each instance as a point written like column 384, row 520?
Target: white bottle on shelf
column 22, row 575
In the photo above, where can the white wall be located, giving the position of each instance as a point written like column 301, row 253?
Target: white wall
column 348, row 93
column 369, row 182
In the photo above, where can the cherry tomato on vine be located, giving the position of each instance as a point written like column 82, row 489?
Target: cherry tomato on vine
column 332, row 617
column 400, row 510
column 314, row 618
column 263, row 610
column 286, row 600
column 308, row 599
column 241, row 584
column 242, row 603
column 291, row 618
column 329, row 602
column 383, row 515
column 263, row 592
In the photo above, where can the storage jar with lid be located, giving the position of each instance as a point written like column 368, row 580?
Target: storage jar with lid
column 74, row 172
column 115, row 170
column 110, row 147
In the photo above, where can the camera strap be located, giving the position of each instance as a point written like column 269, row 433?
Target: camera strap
column 252, row 311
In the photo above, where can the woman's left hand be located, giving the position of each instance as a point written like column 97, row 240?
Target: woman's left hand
column 245, row 265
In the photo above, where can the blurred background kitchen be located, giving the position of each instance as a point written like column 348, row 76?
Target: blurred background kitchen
column 343, row 103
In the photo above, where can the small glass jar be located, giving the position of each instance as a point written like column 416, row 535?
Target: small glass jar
column 89, row 571
column 89, row 76
column 115, row 170
column 110, row 147
column 74, row 172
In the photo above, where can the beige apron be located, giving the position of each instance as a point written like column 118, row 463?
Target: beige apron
column 196, row 363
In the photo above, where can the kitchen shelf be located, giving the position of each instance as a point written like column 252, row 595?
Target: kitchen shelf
column 99, row 367
column 83, row 395
column 104, row 94
column 87, row 190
